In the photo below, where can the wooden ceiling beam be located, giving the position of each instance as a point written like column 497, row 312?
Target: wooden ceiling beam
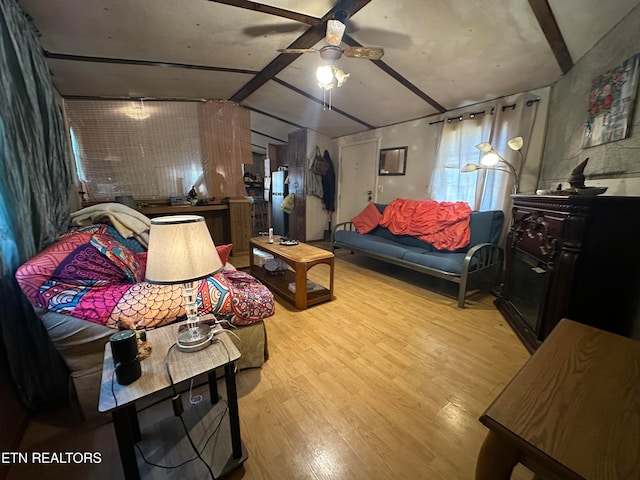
column 145, row 63
column 550, row 28
column 307, row 40
column 399, row 78
column 271, row 115
column 321, row 102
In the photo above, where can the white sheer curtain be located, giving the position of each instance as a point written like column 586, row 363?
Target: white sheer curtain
column 482, row 189
column 456, row 148
column 511, row 119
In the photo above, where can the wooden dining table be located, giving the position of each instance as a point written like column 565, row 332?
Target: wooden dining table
column 571, row 412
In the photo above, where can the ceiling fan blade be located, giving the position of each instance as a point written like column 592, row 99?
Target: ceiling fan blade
column 335, row 30
column 297, row 50
column 368, row 53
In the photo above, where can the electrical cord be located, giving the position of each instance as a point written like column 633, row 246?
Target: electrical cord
column 176, row 400
column 113, row 392
column 171, row 467
column 227, row 350
column 222, row 329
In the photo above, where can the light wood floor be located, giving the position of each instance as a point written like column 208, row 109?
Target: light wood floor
column 385, row 382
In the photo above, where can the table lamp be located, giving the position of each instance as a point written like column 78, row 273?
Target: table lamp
column 181, row 251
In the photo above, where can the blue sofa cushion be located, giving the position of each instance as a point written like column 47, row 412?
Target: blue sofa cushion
column 486, row 227
column 445, row 261
column 407, row 240
column 371, row 243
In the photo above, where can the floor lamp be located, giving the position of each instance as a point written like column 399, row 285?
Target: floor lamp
column 492, row 160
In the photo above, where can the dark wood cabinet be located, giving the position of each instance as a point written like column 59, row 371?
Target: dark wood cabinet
column 572, row 256
column 297, row 154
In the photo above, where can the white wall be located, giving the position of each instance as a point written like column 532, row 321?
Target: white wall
column 420, row 138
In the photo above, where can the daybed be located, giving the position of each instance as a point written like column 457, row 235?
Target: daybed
column 90, row 283
column 458, row 245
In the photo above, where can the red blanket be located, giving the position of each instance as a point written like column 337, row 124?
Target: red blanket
column 445, row 225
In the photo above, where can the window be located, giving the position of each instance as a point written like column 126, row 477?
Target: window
column 457, row 148
column 483, row 189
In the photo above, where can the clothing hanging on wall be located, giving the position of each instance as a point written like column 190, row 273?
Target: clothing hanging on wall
column 329, row 185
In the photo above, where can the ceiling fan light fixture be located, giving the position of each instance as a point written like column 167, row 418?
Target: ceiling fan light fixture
column 340, row 76
column 329, row 76
column 325, row 77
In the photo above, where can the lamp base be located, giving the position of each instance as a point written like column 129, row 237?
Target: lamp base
column 189, row 342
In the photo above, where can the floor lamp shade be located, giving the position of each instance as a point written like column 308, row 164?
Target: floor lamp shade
column 180, row 250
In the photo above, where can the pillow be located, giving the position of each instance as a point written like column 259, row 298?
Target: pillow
column 122, row 256
column 223, row 252
column 367, row 219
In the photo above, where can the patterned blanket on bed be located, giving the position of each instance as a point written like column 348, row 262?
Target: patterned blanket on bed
column 91, row 274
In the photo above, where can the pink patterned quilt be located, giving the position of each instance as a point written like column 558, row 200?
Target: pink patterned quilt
column 90, row 275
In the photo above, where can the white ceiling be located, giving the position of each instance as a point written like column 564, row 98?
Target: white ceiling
column 439, row 54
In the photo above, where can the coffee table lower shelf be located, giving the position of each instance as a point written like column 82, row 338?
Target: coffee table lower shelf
column 280, row 284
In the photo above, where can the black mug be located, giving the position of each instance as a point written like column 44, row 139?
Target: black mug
column 124, row 349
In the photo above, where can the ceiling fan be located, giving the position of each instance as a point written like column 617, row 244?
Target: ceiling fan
column 329, row 75
column 332, row 52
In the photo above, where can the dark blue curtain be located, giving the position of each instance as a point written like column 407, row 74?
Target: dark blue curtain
column 35, row 182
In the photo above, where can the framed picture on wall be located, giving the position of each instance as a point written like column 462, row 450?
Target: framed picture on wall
column 611, row 101
column 393, row 161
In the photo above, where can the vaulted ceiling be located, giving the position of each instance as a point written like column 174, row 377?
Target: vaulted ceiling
column 438, row 54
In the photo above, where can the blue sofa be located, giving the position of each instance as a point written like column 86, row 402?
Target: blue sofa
column 476, row 266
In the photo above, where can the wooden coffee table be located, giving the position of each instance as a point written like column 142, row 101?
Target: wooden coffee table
column 301, row 258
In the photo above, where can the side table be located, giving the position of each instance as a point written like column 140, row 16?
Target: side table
column 120, row 400
column 571, row 413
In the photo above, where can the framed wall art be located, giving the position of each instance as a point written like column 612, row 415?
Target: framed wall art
column 611, row 101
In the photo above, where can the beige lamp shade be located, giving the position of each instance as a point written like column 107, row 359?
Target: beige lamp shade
column 515, row 143
column 484, row 147
column 180, row 250
column 470, row 167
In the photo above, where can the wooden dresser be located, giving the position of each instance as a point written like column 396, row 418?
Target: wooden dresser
column 575, row 257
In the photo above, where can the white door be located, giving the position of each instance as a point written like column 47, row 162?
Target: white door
column 356, row 178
